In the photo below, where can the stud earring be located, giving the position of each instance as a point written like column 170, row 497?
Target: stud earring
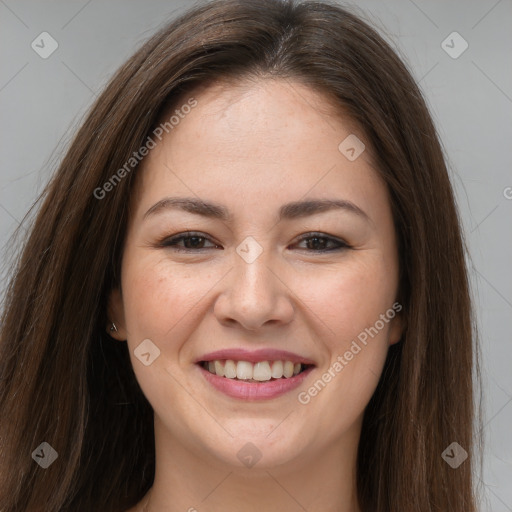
column 113, row 327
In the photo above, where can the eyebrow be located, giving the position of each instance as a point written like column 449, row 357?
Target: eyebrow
column 289, row 211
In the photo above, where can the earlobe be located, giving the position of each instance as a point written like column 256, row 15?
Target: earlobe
column 115, row 314
column 397, row 328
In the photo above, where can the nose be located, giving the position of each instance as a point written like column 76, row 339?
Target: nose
column 255, row 294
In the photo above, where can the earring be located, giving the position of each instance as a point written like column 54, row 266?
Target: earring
column 113, row 327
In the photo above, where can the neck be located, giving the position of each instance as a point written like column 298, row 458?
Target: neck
column 188, row 480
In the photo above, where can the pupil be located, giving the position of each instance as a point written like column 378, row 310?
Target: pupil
column 193, row 245
column 316, row 239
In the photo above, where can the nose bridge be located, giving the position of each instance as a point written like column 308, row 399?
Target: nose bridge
column 253, row 278
column 254, row 294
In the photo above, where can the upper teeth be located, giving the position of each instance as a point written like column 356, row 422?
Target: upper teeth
column 261, row 371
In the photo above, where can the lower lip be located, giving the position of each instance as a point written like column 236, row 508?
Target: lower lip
column 253, row 390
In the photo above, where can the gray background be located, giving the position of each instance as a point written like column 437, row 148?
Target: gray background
column 470, row 97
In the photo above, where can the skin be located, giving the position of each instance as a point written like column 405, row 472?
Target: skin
column 253, row 147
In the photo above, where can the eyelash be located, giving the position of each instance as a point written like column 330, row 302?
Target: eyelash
column 171, row 242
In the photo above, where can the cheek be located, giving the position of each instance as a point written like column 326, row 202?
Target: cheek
column 159, row 300
column 350, row 304
column 157, row 295
column 350, row 298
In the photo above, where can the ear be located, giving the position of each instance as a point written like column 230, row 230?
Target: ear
column 115, row 311
column 397, row 326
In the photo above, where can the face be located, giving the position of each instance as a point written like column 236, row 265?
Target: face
column 259, row 280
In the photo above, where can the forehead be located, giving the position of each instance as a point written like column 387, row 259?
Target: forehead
column 272, row 138
column 271, row 109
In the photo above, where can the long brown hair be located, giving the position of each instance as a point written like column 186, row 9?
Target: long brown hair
column 64, row 381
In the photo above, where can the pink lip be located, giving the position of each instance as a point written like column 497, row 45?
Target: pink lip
column 251, row 391
column 254, row 356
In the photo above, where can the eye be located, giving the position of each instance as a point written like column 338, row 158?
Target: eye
column 193, row 242
column 318, row 242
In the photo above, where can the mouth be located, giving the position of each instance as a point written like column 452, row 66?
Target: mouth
column 254, row 372
column 254, row 375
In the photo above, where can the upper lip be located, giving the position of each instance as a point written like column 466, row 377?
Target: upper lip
column 254, row 356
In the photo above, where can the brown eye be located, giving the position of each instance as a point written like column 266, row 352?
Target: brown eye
column 191, row 242
column 318, row 242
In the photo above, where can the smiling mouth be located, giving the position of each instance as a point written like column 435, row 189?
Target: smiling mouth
column 262, row 371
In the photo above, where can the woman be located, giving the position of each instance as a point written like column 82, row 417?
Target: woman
column 245, row 287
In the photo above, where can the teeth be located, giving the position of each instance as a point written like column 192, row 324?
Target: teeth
column 262, row 371
column 277, row 369
column 243, row 370
column 218, row 368
column 288, row 369
column 229, row 369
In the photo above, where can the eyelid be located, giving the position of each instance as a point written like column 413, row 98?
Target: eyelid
column 166, row 241
column 170, row 242
column 316, row 234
